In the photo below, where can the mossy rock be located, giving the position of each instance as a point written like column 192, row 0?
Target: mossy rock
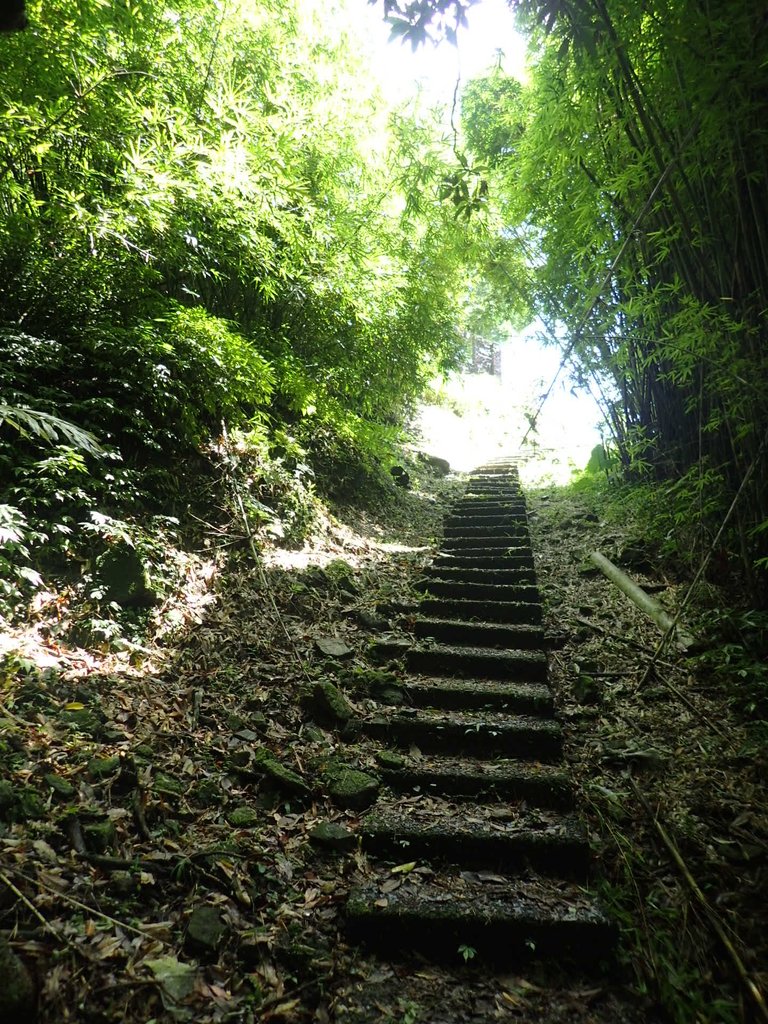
column 243, row 817
column 19, row 803
column 284, row 778
column 208, row 793
column 100, row 836
column 327, row 704
column 122, row 574
column 350, row 788
column 101, row 768
column 205, row 930
column 166, row 784
column 85, row 721
column 390, row 759
column 17, row 991
column 61, row 787
column 329, row 835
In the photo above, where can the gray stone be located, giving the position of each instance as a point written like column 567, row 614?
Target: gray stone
column 331, row 836
column 333, row 648
column 205, row 930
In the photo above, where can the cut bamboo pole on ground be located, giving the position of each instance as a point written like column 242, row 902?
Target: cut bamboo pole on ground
column 638, row 596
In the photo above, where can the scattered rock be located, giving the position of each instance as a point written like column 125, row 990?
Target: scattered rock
column 19, row 803
column 162, row 783
column 390, row 759
column 100, row 768
column 332, row 836
column 369, row 619
column 87, row 721
column 313, row 734
column 7, row 800
column 205, row 930
column 243, row 817
column 60, row 786
column 401, row 477
column 440, row 466
column 17, row 991
column 284, row 778
column 100, row 836
column 124, row 883
column 208, row 793
column 351, row 789
column 123, row 577
column 333, row 648
column 327, row 704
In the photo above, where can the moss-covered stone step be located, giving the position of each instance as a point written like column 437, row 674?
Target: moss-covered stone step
column 510, row 635
column 468, row 574
column 493, row 488
column 488, row 545
column 549, row 842
column 483, row 734
column 525, row 592
column 485, row 517
column 521, row 557
column 473, row 694
column 504, row 922
column 442, row 659
column 510, row 529
column 487, row 611
column 487, row 503
column 540, row 785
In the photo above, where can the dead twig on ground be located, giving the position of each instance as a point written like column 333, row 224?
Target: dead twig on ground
column 711, row 916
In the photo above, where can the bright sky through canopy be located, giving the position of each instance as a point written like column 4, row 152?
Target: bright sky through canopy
column 494, row 420
column 490, row 36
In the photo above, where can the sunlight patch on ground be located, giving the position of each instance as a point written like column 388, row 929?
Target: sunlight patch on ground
column 482, row 417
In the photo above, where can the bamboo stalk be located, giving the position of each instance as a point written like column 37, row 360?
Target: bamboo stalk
column 638, row 596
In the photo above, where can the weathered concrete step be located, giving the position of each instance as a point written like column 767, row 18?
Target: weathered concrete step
column 483, row 517
column 508, row 529
column 489, row 545
column 479, row 734
column 510, row 635
column 523, row 557
column 473, row 694
column 492, row 836
column 540, row 785
column 499, row 492
column 444, row 659
column 489, row 502
column 473, row 551
column 487, row 507
column 509, row 577
column 505, row 921
column 483, row 591
column 485, row 611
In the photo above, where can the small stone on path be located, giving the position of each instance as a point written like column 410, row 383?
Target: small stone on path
column 205, row 930
column 332, row 836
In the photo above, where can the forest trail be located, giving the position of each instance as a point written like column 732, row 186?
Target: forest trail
column 477, row 804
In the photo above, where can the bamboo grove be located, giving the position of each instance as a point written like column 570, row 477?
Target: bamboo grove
column 632, row 170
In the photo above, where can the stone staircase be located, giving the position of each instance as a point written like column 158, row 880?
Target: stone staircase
column 477, row 815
